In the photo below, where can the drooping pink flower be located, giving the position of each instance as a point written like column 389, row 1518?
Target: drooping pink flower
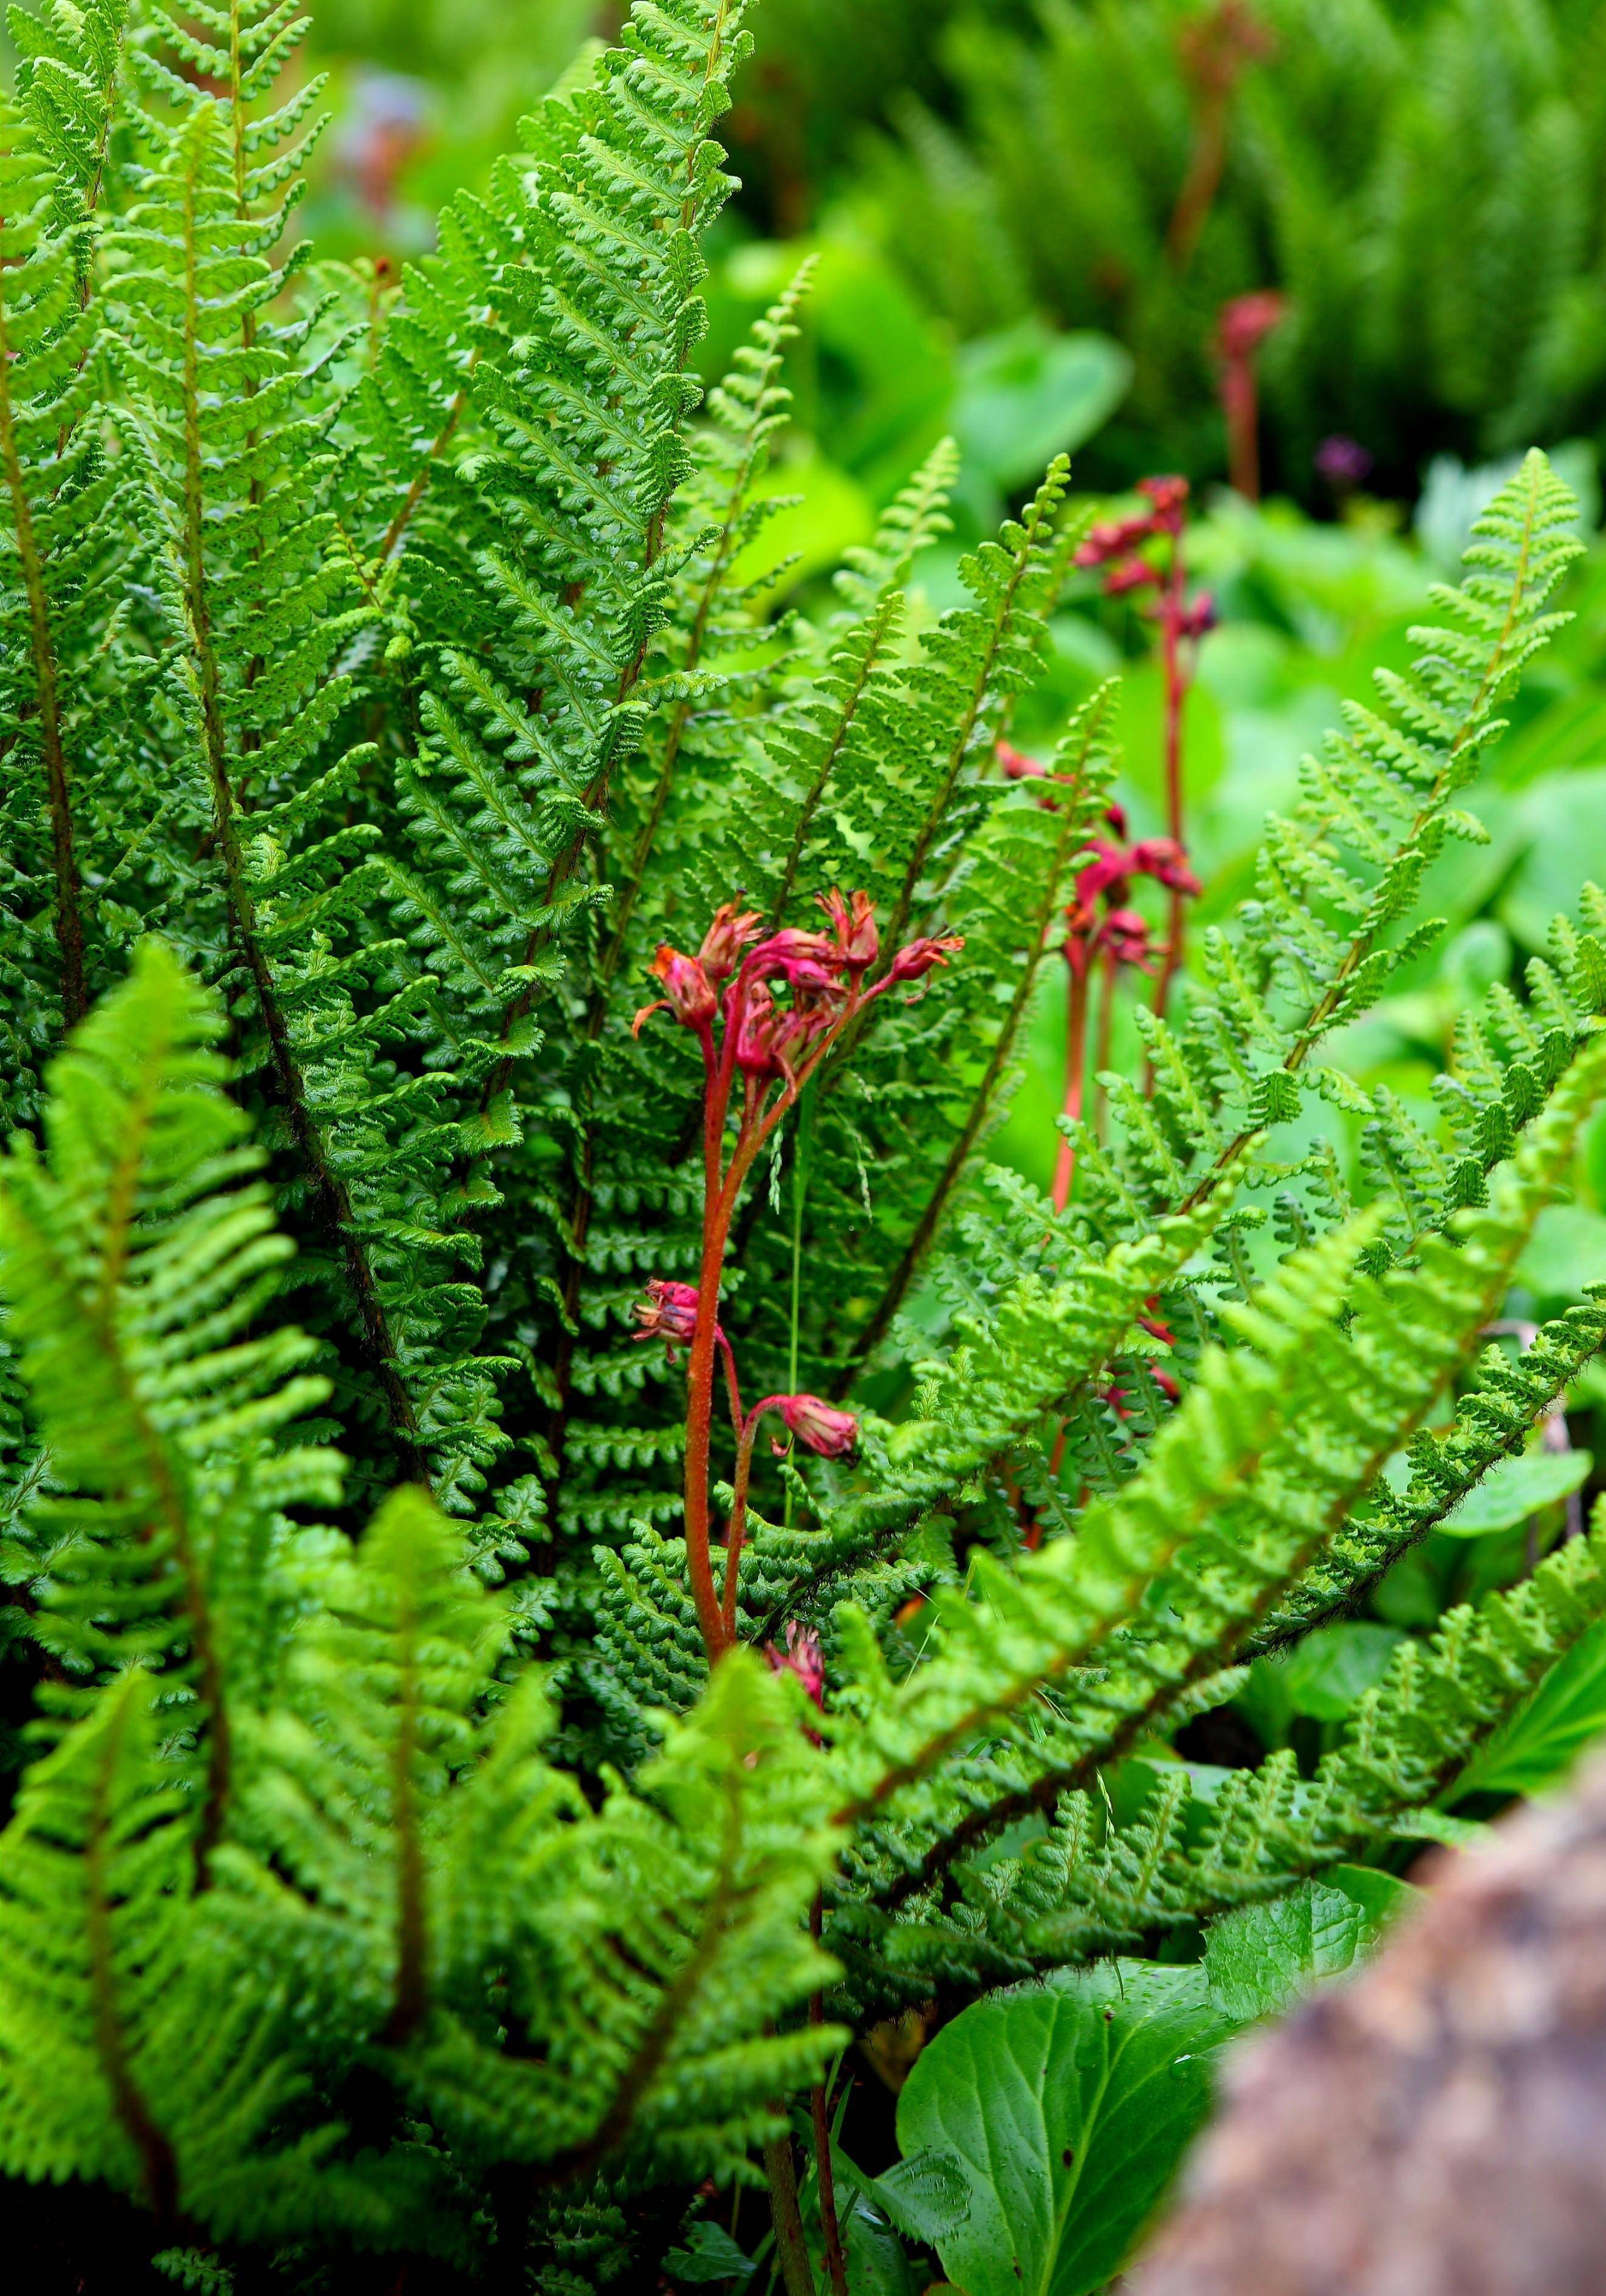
column 1015, row 765
column 1126, row 935
column 668, row 1312
column 1115, row 537
column 1132, row 574
column 689, row 992
column 913, row 962
column 803, row 1658
column 1169, row 494
column 818, row 1424
column 778, row 957
column 1246, row 322
column 1163, row 859
column 759, row 1018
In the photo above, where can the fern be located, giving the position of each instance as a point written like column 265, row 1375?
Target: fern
column 476, row 1884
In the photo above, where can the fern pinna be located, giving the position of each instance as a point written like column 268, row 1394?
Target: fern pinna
column 783, row 1520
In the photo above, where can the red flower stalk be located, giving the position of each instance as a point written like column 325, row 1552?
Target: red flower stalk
column 1244, row 326
column 1215, row 49
column 777, row 1048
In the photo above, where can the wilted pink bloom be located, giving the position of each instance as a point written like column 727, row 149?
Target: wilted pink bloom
column 833, row 1434
column 1246, row 322
column 1132, row 574
column 914, row 962
column 1107, row 874
column 1115, row 537
column 729, row 934
column 691, row 994
column 667, row 1313
column 1126, row 935
column 858, row 942
column 1015, row 765
column 805, row 1661
column 1163, row 859
column 1169, row 494
column 756, row 1033
column 777, row 958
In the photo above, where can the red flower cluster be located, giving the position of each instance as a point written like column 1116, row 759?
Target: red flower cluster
column 1107, row 880
column 822, row 975
column 805, row 1661
column 1117, row 543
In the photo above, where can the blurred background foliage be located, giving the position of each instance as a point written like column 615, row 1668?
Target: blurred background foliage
column 1027, row 218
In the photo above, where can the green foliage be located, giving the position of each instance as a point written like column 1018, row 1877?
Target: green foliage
column 422, row 1889
column 1067, row 2105
column 1422, row 183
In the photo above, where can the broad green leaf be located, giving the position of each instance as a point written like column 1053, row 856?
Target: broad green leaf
column 1329, row 1670
column 1028, row 394
column 1540, row 1744
column 1067, row 2105
column 1515, row 1488
column 709, row 2254
column 876, row 2265
column 1261, row 1958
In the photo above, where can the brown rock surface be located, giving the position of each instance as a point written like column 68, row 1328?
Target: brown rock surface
column 1436, row 2127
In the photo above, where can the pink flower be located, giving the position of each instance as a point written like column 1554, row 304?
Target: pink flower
column 1246, row 322
column 1198, row 619
column 1105, row 875
column 1015, row 765
column 667, row 1313
column 691, row 994
column 1169, row 495
column 1163, row 859
column 778, row 957
column 916, row 961
column 1115, row 537
column 833, row 1434
column 804, row 1658
column 729, row 934
column 1130, row 574
column 760, row 1018
column 858, row 942
column 1126, row 935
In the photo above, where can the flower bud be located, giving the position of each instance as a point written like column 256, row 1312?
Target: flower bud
column 1163, row 859
column 913, row 962
column 668, row 1312
column 1125, row 934
column 756, row 1033
column 833, row 1434
column 725, row 939
column 858, row 942
column 1130, row 574
column 1015, row 765
column 803, row 1659
column 691, row 994
column 778, row 957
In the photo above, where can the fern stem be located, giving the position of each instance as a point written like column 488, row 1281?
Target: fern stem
column 1176, row 683
column 433, row 454
column 1076, row 1069
column 797, row 2273
column 828, row 765
column 329, row 1190
column 69, row 884
column 170, row 1508
column 411, row 1985
column 157, row 2167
